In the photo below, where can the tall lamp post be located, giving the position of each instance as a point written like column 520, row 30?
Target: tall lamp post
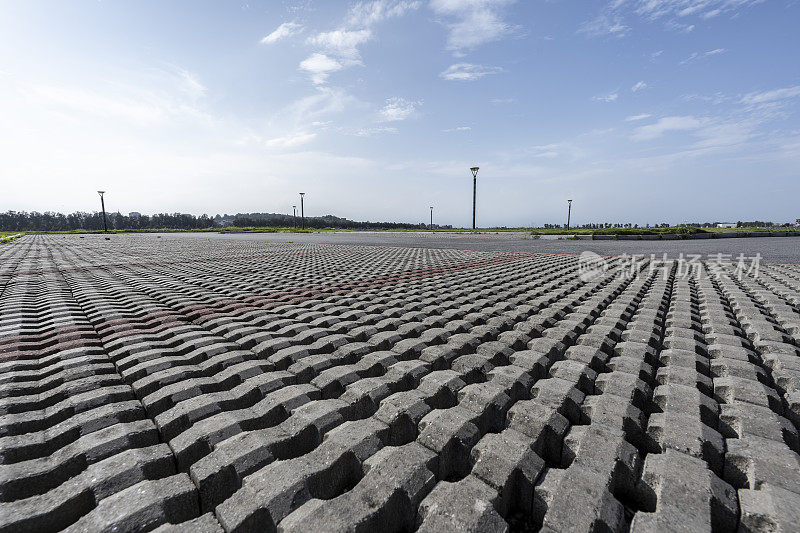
column 103, row 206
column 569, row 212
column 474, row 190
column 302, row 212
column 431, row 217
column 294, row 215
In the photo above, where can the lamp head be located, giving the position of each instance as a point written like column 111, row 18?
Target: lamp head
column 302, row 194
column 474, row 171
column 101, row 193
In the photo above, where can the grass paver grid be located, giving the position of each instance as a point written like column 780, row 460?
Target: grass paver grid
column 156, row 384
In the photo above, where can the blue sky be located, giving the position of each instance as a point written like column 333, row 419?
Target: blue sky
column 639, row 110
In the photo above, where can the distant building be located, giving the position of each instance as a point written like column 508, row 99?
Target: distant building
column 134, row 214
column 797, row 222
column 725, row 224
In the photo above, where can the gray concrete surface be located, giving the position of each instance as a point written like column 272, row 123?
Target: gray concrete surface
column 193, row 383
column 772, row 249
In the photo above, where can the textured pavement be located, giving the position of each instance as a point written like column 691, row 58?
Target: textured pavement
column 771, row 249
column 176, row 384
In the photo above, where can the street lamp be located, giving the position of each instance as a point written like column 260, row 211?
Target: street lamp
column 474, row 189
column 103, row 205
column 302, row 212
column 294, row 215
column 569, row 212
column 431, row 217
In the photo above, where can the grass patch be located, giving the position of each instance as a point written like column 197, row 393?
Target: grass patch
column 8, row 236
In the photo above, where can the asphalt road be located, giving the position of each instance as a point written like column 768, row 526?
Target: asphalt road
column 772, row 249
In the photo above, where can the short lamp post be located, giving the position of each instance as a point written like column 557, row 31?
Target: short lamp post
column 431, row 217
column 103, row 206
column 569, row 212
column 474, row 171
column 302, row 211
column 294, row 215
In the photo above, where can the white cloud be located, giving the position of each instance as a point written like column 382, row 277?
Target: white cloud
column 457, row 129
column 639, row 86
column 291, row 141
column 190, row 84
column 287, row 29
column 679, row 26
column 546, row 151
column 604, row 25
column 696, row 55
column 364, row 14
column 397, row 108
column 633, row 118
column 468, row 72
column 341, row 43
column 175, row 97
column 502, row 100
column 655, row 9
column 771, row 96
column 676, row 15
column 320, row 67
column 472, row 22
column 324, row 102
column 606, row 98
column 665, row 124
column 381, row 130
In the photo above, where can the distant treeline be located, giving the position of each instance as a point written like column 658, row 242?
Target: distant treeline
column 606, row 225
column 35, row 221
column 48, row 221
column 243, row 220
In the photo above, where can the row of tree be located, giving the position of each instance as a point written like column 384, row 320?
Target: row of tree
column 48, row 221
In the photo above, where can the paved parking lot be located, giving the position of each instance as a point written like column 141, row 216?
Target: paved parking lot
column 771, row 249
column 209, row 383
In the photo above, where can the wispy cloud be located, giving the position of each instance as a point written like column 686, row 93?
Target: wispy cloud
column 612, row 97
column 604, row 25
column 364, row 14
column 472, row 23
column 676, row 15
column 634, row 118
column 177, row 96
column 291, row 141
column 341, row 43
column 468, row 72
column 287, row 29
column 771, row 96
column 457, row 129
column 502, row 100
column 697, row 55
column 324, row 102
column 320, row 66
column 665, row 124
column 398, row 108
column 655, row 9
column 372, row 132
column 639, row 86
